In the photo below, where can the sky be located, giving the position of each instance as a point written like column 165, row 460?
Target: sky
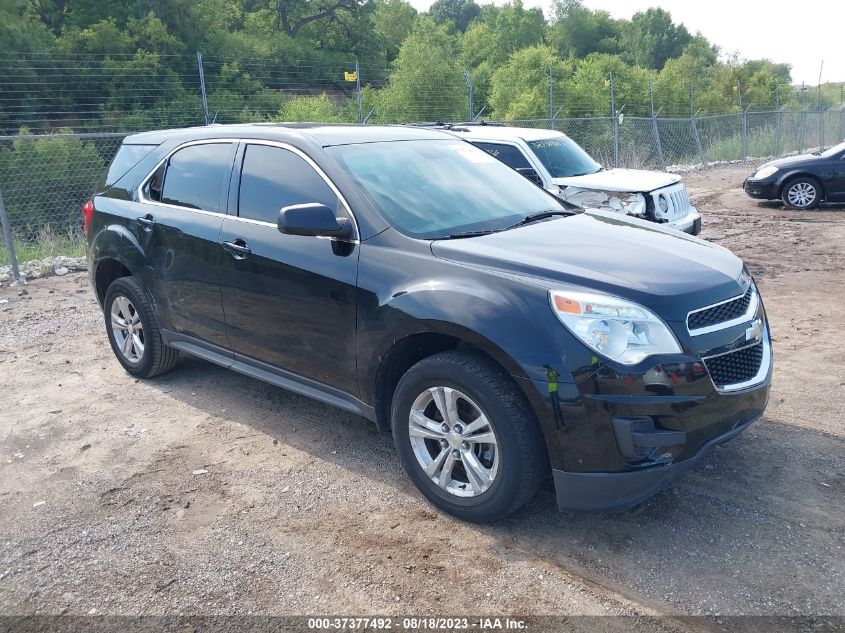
column 798, row 33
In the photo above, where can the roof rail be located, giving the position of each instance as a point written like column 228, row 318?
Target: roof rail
column 482, row 123
column 455, row 127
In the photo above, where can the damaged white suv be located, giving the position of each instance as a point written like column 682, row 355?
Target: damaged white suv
column 559, row 165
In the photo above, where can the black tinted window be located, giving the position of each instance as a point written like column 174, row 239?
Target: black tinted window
column 195, row 176
column 126, row 158
column 508, row 154
column 273, row 178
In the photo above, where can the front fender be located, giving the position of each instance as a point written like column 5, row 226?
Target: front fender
column 789, row 174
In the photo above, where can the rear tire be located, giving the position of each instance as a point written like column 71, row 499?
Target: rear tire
column 133, row 330
column 493, row 450
column 802, row 193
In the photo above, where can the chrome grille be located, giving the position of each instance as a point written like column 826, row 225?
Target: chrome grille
column 678, row 201
column 720, row 313
column 736, row 367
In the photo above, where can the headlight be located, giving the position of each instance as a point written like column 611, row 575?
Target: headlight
column 617, row 329
column 764, row 172
column 663, row 203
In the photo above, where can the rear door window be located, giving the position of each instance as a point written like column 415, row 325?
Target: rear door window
column 508, row 154
column 195, row 177
column 272, row 178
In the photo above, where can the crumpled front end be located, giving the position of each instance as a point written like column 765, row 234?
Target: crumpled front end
column 617, row 201
column 668, row 206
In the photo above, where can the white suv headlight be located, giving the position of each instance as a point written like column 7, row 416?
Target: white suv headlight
column 615, row 328
column 764, row 172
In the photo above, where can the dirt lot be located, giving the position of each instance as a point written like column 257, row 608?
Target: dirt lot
column 207, row 492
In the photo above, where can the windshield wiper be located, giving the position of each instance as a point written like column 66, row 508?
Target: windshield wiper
column 535, row 217
column 528, row 219
column 456, row 236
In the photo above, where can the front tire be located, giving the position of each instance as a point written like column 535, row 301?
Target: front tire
column 466, row 437
column 133, row 330
column 802, row 193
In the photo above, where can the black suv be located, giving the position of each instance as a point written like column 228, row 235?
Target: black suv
column 496, row 333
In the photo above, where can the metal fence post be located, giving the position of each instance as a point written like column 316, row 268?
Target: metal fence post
column 204, row 101
column 551, row 99
column 821, row 128
column 745, row 135
column 468, row 78
column 615, row 121
column 778, row 120
column 358, row 89
column 10, row 244
column 743, row 122
column 654, row 128
column 801, row 131
column 693, row 115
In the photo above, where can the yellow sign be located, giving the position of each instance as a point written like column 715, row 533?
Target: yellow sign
column 353, row 76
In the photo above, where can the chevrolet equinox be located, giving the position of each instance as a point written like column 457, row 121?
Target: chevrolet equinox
column 500, row 335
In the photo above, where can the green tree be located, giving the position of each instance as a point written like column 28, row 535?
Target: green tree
column 318, row 108
column 459, row 12
column 576, row 31
column 589, row 92
column 519, row 89
column 392, row 21
column 651, row 38
column 427, row 82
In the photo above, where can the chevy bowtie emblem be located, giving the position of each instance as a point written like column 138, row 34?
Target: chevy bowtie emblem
column 755, row 332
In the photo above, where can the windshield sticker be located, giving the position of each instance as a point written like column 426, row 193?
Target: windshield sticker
column 552, row 142
column 472, row 153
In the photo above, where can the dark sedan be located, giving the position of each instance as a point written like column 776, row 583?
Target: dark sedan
column 802, row 182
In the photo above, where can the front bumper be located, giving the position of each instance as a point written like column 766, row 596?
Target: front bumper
column 761, row 189
column 690, row 223
column 612, row 492
column 618, row 435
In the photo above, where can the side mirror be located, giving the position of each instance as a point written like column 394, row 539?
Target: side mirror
column 312, row 219
column 531, row 174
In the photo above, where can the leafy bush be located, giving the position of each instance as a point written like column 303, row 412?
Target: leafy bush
column 45, row 182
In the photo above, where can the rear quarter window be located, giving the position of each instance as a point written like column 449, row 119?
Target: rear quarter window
column 126, row 158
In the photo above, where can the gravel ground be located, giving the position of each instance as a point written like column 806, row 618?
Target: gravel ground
column 206, row 492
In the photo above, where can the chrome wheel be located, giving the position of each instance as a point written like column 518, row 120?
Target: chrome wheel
column 453, row 442
column 127, row 329
column 801, row 194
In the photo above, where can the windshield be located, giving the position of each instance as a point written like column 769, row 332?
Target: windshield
column 563, row 157
column 833, row 151
column 432, row 189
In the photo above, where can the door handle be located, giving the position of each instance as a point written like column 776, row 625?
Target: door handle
column 146, row 221
column 237, row 249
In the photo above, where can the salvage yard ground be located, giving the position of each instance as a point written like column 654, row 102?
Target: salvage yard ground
column 206, row 492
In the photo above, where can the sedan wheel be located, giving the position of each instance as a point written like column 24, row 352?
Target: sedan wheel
column 801, row 194
column 453, row 442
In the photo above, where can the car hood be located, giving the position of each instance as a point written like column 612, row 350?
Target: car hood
column 789, row 160
column 629, row 180
column 662, row 269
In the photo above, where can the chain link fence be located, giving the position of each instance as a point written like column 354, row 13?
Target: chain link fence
column 63, row 121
